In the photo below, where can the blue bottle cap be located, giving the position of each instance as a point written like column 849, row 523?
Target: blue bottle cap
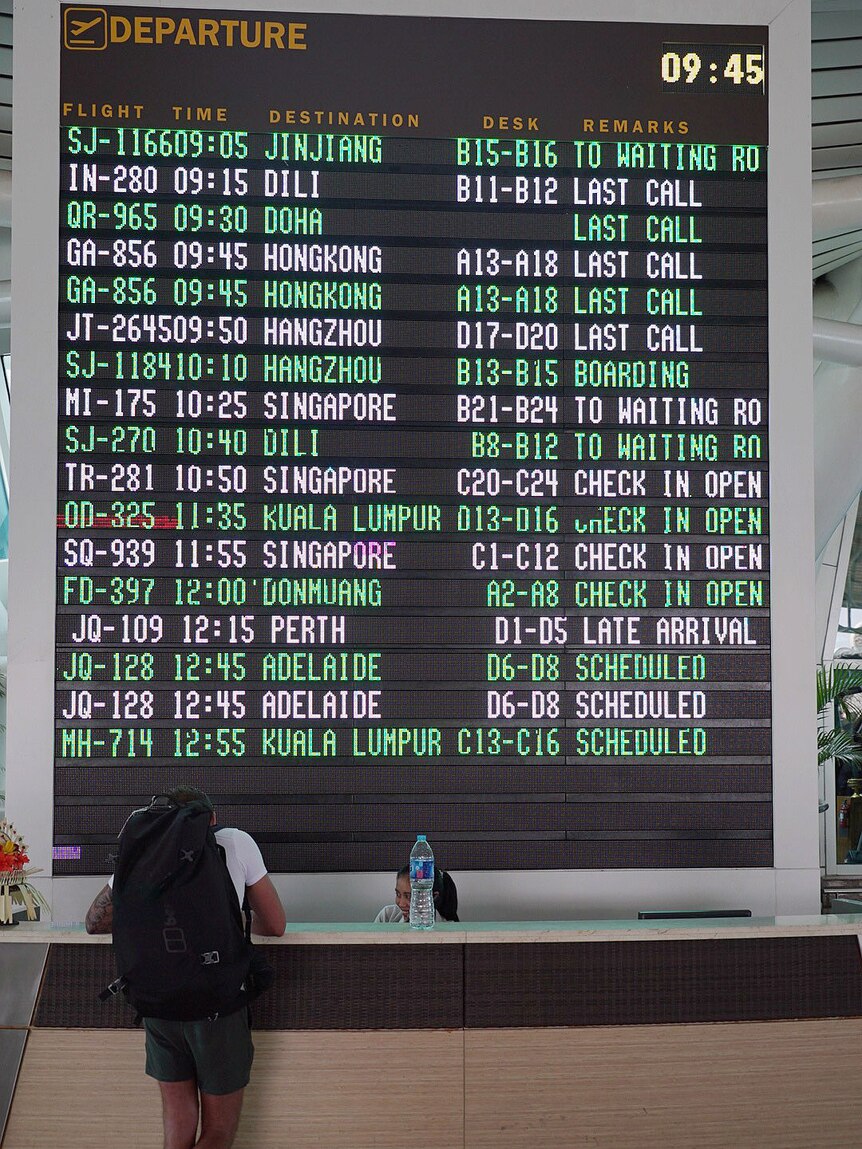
column 420, row 838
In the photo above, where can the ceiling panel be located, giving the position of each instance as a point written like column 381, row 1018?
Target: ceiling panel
column 836, row 161
column 836, row 135
column 836, row 53
column 836, row 109
column 837, row 81
column 836, row 112
column 835, row 22
column 834, row 242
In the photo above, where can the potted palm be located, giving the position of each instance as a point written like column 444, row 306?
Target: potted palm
column 835, row 684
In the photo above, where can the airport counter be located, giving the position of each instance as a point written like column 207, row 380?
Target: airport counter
column 649, row 1034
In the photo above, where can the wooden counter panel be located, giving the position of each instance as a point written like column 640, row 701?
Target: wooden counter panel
column 767, row 1084
column 86, row 1089
column 332, row 1090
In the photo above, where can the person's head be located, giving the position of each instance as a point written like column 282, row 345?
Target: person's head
column 444, row 889
column 183, row 795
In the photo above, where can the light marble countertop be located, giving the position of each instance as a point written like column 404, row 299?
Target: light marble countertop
column 472, row 933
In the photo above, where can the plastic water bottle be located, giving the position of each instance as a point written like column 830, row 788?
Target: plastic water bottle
column 421, row 885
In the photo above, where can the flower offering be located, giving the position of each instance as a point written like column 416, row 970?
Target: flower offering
column 15, row 888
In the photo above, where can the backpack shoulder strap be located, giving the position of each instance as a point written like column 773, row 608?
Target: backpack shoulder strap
column 245, row 908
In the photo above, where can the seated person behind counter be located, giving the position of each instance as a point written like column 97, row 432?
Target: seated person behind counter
column 445, row 898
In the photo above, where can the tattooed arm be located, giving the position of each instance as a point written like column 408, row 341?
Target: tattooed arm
column 100, row 915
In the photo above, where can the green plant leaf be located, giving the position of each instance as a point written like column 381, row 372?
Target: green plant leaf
column 838, row 744
column 835, row 684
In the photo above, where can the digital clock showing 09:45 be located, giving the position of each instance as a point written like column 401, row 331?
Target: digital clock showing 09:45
column 714, row 68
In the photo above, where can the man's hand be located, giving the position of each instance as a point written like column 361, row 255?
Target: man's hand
column 268, row 917
column 100, row 915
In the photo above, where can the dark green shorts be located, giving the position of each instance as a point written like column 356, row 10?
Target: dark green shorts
column 217, row 1054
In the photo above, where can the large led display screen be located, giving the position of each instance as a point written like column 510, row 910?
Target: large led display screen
column 413, row 436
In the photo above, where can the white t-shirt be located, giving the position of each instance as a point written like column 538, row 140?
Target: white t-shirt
column 243, row 857
column 393, row 914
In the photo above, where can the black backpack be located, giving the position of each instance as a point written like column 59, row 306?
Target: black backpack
column 181, row 949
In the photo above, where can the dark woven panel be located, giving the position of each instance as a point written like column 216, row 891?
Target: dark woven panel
column 260, row 783
column 523, row 854
column 363, row 987
column 643, row 983
column 74, row 977
column 489, row 817
column 316, row 987
column 529, row 984
column 514, row 853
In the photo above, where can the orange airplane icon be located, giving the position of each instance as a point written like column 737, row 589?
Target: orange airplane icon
column 86, row 28
column 81, row 26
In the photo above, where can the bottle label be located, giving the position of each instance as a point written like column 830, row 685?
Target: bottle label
column 421, row 869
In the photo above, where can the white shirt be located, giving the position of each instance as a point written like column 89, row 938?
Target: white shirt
column 393, row 914
column 243, row 857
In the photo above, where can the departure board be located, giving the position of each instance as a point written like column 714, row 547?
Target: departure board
column 413, row 436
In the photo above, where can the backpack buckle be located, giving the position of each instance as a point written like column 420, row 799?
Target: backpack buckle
column 113, row 989
column 211, row 958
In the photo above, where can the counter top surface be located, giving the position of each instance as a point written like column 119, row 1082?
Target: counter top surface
column 472, row 933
